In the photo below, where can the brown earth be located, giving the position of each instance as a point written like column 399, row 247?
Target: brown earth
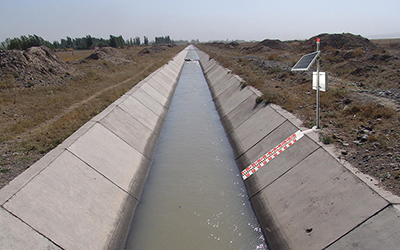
column 34, row 66
column 43, row 99
column 109, row 54
column 150, row 50
column 359, row 112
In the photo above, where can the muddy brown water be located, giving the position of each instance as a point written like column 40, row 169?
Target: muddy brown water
column 194, row 197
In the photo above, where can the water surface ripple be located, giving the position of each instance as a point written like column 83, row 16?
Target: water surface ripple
column 194, row 197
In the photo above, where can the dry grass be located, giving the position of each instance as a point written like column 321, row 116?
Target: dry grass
column 349, row 110
column 69, row 56
column 35, row 120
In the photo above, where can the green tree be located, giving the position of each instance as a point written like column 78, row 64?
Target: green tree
column 116, row 42
column 69, row 42
column 103, row 43
column 89, row 41
column 24, row 42
column 163, row 40
column 137, row 41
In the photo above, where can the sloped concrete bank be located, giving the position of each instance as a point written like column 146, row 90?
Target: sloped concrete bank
column 304, row 198
column 82, row 194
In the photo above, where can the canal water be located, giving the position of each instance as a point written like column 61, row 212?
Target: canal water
column 194, row 197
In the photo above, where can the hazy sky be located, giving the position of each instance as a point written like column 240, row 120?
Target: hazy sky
column 202, row 19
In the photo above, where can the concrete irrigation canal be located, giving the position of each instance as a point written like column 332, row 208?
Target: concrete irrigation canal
column 194, row 197
column 158, row 171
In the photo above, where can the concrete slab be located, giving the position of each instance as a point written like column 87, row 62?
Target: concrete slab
column 255, row 129
column 159, row 97
column 231, row 98
column 15, row 234
column 107, row 110
column 289, row 116
column 220, row 81
column 203, row 57
column 134, row 88
column 240, row 114
column 161, row 85
column 81, row 131
column 113, row 158
column 315, row 203
column 131, row 131
column 150, row 102
column 279, row 165
column 216, row 70
column 206, row 65
column 175, row 65
column 224, row 84
column 71, row 204
column 171, row 75
column 142, row 113
column 382, row 231
column 171, row 72
column 15, row 185
column 211, row 64
column 264, row 145
column 151, row 75
column 180, row 57
column 216, row 73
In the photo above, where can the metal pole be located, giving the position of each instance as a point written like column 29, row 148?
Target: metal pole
column 318, row 127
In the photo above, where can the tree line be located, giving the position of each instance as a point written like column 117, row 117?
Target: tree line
column 87, row 42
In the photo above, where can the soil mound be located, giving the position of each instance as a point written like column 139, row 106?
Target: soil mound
column 274, row 44
column 35, row 66
column 344, row 41
column 232, row 45
column 257, row 49
column 109, row 54
column 150, row 50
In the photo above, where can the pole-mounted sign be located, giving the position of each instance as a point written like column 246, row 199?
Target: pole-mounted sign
column 320, row 79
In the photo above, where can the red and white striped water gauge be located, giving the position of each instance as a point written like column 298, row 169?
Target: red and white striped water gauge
column 263, row 160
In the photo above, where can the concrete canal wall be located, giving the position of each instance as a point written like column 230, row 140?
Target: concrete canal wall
column 82, row 194
column 304, row 198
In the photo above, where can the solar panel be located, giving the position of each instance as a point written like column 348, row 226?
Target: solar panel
column 306, row 61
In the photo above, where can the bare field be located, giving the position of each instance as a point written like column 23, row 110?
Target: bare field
column 68, row 56
column 35, row 118
column 360, row 113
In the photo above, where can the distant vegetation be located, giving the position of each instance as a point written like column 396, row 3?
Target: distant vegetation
column 24, row 42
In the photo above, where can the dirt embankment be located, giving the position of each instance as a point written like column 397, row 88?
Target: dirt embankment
column 360, row 113
column 43, row 99
column 109, row 54
column 35, row 66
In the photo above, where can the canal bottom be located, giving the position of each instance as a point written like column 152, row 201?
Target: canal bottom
column 194, row 197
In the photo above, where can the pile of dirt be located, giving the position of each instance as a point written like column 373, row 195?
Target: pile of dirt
column 231, row 45
column 266, row 46
column 271, row 66
column 344, row 41
column 256, row 49
column 109, row 54
column 35, row 66
column 274, row 44
column 150, row 50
